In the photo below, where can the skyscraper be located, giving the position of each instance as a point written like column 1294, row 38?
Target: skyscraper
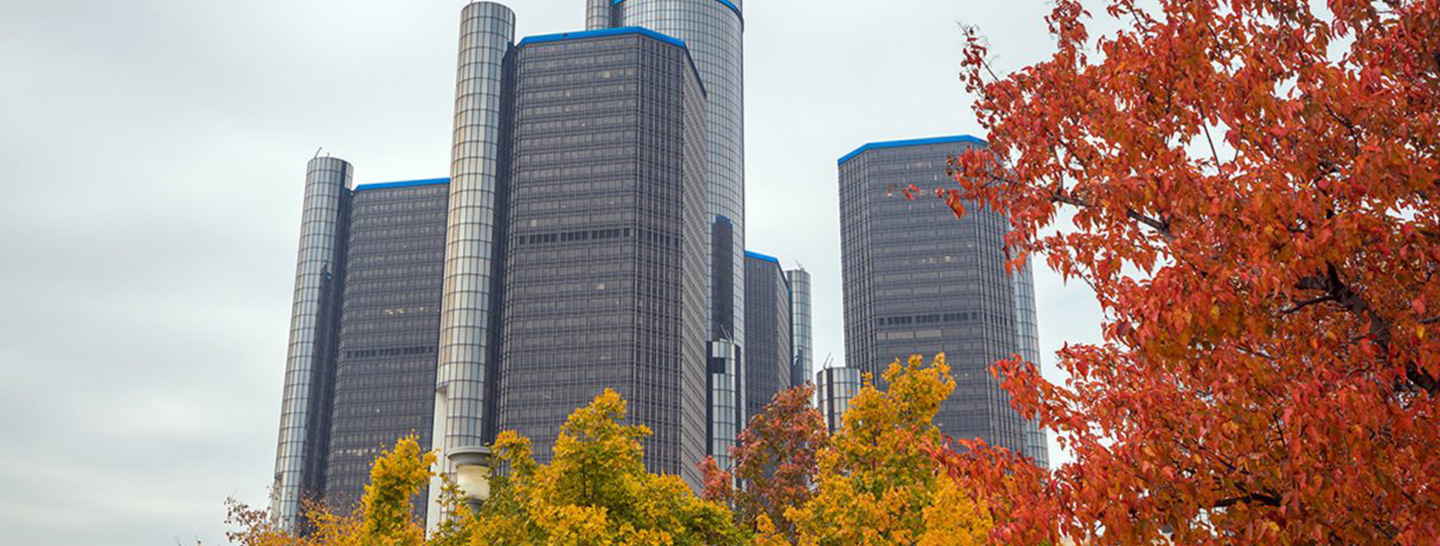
column 834, row 387
column 595, row 204
column 384, row 382
column 310, row 357
column 802, row 334
column 604, row 269
column 367, row 307
column 918, row 281
column 713, row 31
column 768, row 355
column 465, row 374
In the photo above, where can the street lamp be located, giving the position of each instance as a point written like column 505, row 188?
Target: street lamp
column 472, row 474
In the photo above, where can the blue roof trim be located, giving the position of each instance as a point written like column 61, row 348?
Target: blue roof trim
column 579, row 35
column 727, row 3
column 405, row 184
column 759, row 256
column 914, row 142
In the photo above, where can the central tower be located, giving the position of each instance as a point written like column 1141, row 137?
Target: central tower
column 713, row 31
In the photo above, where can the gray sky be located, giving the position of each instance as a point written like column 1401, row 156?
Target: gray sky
column 152, row 156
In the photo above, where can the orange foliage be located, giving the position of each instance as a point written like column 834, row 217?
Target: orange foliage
column 1251, row 185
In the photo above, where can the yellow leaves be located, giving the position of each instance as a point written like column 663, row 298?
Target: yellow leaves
column 876, row 486
column 596, row 492
column 954, row 518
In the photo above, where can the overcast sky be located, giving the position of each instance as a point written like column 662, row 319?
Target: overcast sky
column 152, row 157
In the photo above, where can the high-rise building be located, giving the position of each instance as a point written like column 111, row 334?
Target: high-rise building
column 802, row 334
column 834, row 387
column 768, row 354
column 605, row 284
column 466, row 368
column 591, row 235
column 918, row 281
column 361, row 371
column 384, row 382
column 713, row 31
column 310, row 357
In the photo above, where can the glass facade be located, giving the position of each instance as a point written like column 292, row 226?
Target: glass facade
column 605, row 261
column 309, row 360
column 463, row 396
column 835, row 387
column 384, row 386
column 713, row 31
column 768, row 355
column 917, row 281
column 803, row 340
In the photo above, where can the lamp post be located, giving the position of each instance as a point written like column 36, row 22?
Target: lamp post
column 472, row 474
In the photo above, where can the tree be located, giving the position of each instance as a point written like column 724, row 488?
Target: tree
column 775, row 462
column 595, row 491
column 877, row 487
column 383, row 518
column 1251, row 186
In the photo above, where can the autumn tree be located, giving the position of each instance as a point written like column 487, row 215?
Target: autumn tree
column 1249, row 186
column 383, row 518
column 595, row 491
column 774, row 463
column 877, row 486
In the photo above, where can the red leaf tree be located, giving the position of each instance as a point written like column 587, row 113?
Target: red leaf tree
column 1250, row 185
column 775, row 462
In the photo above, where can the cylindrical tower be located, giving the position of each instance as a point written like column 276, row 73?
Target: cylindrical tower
column 713, row 31
column 487, row 32
column 597, row 14
column 318, row 275
column 1028, row 333
column 802, row 342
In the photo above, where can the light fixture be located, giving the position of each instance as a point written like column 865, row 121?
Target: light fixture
column 472, row 473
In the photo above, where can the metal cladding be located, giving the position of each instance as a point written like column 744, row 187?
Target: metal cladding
column 487, row 31
column 916, row 281
column 299, row 458
column 802, row 334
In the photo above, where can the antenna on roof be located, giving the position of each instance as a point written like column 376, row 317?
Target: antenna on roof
column 829, row 358
column 317, row 152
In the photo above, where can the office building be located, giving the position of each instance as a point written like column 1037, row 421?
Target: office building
column 604, row 165
column 768, row 355
column 361, row 366
column 605, row 285
column 919, row 281
column 384, row 382
column 834, row 387
column 802, row 334
column 713, row 31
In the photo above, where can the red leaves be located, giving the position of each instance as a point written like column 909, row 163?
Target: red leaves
column 1268, row 305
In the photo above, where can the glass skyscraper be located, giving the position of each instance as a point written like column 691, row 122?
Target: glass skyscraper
column 802, row 333
column 768, row 355
column 367, row 313
column 384, row 383
column 605, row 263
column 590, row 235
column 919, row 281
column 713, row 30
column 835, row 387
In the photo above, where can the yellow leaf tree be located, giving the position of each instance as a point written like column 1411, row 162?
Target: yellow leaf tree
column 877, row 487
column 595, row 491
